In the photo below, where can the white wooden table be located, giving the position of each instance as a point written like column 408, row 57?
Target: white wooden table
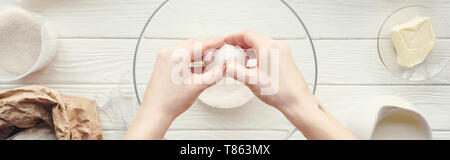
column 98, row 38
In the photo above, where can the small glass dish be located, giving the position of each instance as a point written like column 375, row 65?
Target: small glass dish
column 435, row 62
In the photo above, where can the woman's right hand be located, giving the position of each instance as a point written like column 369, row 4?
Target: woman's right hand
column 286, row 89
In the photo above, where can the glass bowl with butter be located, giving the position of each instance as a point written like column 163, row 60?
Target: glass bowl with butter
column 413, row 43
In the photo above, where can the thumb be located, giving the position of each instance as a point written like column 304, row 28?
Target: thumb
column 240, row 73
column 213, row 75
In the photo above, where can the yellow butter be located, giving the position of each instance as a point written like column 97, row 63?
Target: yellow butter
column 413, row 41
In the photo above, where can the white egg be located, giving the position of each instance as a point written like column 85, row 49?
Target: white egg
column 227, row 93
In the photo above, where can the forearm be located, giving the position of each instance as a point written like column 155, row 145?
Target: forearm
column 314, row 121
column 148, row 124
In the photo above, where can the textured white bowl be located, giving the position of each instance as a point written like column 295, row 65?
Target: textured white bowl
column 49, row 47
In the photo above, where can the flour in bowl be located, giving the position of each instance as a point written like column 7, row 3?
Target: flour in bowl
column 20, row 41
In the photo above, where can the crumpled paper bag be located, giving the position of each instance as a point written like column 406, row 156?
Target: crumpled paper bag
column 71, row 117
column 40, row 132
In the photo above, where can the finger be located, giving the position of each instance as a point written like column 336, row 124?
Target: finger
column 240, row 73
column 213, row 43
column 201, row 47
column 213, row 75
column 237, row 40
column 185, row 46
column 245, row 39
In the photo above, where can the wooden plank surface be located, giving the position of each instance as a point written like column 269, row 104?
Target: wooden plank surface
column 93, row 18
column 107, row 60
column 431, row 100
column 354, row 19
column 98, row 37
column 204, row 135
column 113, row 135
column 125, row 19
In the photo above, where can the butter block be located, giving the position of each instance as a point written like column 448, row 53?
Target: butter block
column 413, row 41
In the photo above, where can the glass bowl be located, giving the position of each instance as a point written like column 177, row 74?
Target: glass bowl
column 435, row 62
column 177, row 20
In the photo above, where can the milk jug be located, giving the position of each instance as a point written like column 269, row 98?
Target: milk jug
column 388, row 118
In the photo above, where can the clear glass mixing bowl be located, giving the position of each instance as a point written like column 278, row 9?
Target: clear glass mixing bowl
column 176, row 20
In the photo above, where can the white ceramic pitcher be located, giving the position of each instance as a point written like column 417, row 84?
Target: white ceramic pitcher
column 388, row 117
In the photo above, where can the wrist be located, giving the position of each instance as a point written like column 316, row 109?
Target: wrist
column 158, row 111
column 302, row 107
column 301, row 101
column 303, row 115
column 148, row 124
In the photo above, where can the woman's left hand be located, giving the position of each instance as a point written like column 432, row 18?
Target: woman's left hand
column 173, row 87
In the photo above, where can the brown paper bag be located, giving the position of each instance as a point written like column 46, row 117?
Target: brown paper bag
column 71, row 117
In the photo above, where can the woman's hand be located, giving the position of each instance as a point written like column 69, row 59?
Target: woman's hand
column 278, row 82
column 173, row 87
column 283, row 90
